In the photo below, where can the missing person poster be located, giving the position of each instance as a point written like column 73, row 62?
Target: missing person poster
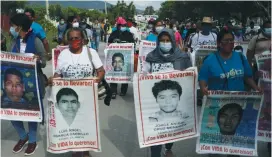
column 263, row 61
column 228, row 123
column 55, row 54
column 119, row 62
column 73, row 120
column 264, row 128
column 20, row 98
column 145, row 48
column 200, row 53
column 165, row 105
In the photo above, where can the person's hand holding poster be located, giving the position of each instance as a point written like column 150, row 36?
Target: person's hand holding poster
column 145, row 48
column 165, row 105
column 20, row 98
column 72, row 105
column 229, row 123
column 119, row 62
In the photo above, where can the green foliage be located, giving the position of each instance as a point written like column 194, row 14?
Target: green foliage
column 149, row 10
column 122, row 9
column 181, row 10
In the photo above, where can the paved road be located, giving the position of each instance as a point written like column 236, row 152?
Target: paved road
column 118, row 132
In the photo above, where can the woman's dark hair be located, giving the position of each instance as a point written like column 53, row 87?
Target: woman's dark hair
column 83, row 36
column 222, row 33
column 69, row 21
column 21, row 20
column 31, row 11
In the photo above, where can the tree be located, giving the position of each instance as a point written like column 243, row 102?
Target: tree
column 9, row 7
column 149, row 10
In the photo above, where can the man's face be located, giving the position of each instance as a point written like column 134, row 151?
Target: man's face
column 118, row 64
column 68, row 106
column 168, row 100
column 29, row 16
column 14, row 88
column 229, row 120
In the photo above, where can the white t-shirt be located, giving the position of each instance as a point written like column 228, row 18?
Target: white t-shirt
column 134, row 31
column 77, row 66
column 200, row 39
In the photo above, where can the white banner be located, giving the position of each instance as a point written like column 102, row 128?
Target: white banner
column 20, row 98
column 165, row 106
column 263, row 61
column 228, row 123
column 145, row 48
column 73, row 120
column 119, row 62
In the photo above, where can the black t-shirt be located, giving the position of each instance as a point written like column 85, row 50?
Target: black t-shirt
column 121, row 37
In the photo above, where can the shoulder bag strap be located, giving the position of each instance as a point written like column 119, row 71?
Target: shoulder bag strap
column 226, row 77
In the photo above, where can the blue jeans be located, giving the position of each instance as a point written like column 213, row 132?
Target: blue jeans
column 97, row 39
column 32, row 127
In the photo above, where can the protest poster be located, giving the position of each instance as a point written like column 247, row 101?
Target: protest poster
column 263, row 61
column 73, row 120
column 200, row 53
column 165, row 106
column 55, row 54
column 20, row 98
column 145, row 48
column 119, row 62
column 228, row 123
column 264, row 128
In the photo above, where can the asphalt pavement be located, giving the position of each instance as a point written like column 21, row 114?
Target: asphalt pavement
column 118, row 131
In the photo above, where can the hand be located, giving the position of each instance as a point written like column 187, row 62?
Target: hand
column 259, row 89
column 36, row 57
column 50, row 81
column 204, row 91
column 97, row 80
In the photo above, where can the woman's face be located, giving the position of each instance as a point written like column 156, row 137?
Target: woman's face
column 75, row 40
column 165, row 39
column 227, row 43
column 159, row 24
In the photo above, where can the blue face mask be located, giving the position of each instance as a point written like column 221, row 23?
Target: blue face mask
column 123, row 29
column 166, row 47
column 13, row 32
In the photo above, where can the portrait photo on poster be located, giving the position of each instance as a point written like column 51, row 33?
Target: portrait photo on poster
column 67, row 102
column 118, row 61
column 230, row 122
column 18, row 88
column 167, row 94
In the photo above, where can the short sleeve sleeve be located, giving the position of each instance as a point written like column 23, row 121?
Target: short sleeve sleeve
column 204, row 72
column 252, row 43
column 96, row 59
column 41, row 33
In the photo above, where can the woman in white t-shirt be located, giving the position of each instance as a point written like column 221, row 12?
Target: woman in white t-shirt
column 76, row 63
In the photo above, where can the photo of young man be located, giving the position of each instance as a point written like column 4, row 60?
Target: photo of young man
column 229, row 117
column 118, row 62
column 67, row 104
column 13, row 90
column 167, row 94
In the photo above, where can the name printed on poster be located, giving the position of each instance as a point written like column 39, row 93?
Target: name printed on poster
column 16, row 57
column 166, row 76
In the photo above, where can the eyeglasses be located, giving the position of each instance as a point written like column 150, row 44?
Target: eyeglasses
column 228, row 41
column 74, row 38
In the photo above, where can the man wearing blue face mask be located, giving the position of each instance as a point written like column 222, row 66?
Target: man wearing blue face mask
column 238, row 34
column 121, row 35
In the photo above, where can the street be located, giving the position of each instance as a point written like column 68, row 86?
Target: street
column 118, row 131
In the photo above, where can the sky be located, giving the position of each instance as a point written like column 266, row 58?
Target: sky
column 142, row 4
